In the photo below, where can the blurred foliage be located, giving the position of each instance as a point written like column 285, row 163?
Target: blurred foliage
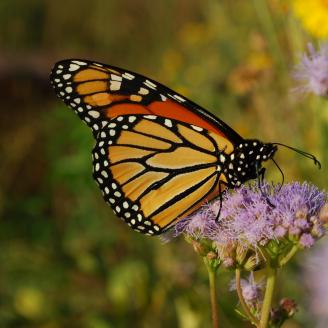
column 66, row 260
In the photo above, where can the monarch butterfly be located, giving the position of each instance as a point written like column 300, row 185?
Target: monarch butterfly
column 158, row 156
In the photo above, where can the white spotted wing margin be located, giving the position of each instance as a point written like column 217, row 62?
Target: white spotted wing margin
column 154, row 171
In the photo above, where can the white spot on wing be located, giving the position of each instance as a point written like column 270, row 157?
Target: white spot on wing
column 177, row 97
column 150, row 84
column 116, row 77
column 104, row 174
column 143, row 91
column 128, row 76
column 115, row 85
column 197, row 128
column 94, row 114
column 73, row 67
column 79, row 62
column 168, row 123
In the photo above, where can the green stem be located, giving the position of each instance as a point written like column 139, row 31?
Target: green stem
column 212, row 271
column 242, row 301
column 267, row 301
column 289, row 255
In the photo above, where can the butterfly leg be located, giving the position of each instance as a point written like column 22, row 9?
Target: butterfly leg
column 221, row 200
column 260, row 179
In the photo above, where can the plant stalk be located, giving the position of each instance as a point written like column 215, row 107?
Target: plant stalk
column 212, row 273
column 289, row 255
column 242, row 301
column 267, row 301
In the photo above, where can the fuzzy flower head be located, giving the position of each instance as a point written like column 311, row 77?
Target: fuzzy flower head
column 312, row 71
column 252, row 290
column 253, row 218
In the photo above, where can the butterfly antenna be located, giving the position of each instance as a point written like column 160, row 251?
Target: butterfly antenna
column 301, row 152
column 282, row 173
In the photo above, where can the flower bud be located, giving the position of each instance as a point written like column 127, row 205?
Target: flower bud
column 241, row 252
column 289, row 306
column 252, row 263
column 211, row 255
column 286, row 309
column 198, row 247
column 228, row 263
column 302, row 213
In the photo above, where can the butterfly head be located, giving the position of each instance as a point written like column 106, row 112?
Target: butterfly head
column 247, row 158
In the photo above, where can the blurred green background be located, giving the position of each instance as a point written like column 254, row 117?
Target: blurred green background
column 66, row 261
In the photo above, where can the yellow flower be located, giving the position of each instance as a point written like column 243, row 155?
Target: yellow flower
column 313, row 15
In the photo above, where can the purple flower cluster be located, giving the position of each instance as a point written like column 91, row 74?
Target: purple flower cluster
column 312, row 71
column 253, row 217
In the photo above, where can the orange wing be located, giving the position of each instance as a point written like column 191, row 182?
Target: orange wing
column 158, row 156
column 99, row 92
column 154, row 171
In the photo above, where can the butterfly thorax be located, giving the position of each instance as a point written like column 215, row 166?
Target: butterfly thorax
column 245, row 162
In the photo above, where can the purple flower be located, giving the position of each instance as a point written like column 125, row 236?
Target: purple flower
column 199, row 224
column 248, row 217
column 252, row 290
column 312, row 71
column 306, row 240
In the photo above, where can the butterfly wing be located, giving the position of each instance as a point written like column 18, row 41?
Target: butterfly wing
column 154, row 171
column 158, row 156
column 99, row 92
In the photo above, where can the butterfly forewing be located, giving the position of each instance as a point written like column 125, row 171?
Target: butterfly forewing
column 99, row 92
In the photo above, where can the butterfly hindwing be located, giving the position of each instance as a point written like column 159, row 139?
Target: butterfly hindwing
column 153, row 171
